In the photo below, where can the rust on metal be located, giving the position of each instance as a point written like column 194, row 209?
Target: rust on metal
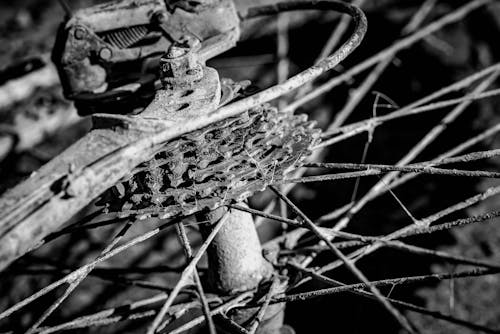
column 109, row 153
column 133, row 33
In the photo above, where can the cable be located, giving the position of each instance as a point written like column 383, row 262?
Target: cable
column 360, row 28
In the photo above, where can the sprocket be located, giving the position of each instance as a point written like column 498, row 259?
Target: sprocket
column 227, row 161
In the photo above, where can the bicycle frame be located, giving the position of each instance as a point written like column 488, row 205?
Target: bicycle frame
column 72, row 180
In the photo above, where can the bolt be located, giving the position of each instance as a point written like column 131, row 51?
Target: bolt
column 196, row 5
column 190, row 41
column 176, row 51
column 206, row 2
column 80, row 33
column 179, row 65
column 159, row 17
column 105, row 54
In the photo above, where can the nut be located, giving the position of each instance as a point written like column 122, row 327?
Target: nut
column 105, row 54
column 80, row 33
column 179, row 66
column 159, row 17
column 176, row 51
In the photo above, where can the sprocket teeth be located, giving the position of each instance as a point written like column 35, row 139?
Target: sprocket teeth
column 229, row 160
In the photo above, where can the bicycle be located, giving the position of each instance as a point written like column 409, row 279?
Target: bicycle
column 140, row 150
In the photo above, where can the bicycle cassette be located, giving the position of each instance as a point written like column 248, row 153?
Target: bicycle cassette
column 205, row 169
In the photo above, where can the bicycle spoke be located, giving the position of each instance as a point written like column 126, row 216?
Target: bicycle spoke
column 236, row 301
column 97, row 273
column 474, row 156
column 407, row 280
column 170, row 270
column 355, row 288
column 417, row 149
column 368, row 125
column 184, row 277
column 421, row 224
column 350, row 265
column 181, row 232
column 262, row 311
column 443, row 158
column 70, row 277
column 446, row 90
column 455, row 223
column 75, row 281
column 83, row 227
column 407, row 169
column 235, row 327
column 330, row 177
column 402, row 44
column 117, row 314
column 375, row 169
column 388, row 243
column 362, row 240
column 440, row 255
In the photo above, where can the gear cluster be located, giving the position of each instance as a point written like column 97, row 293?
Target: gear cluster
column 227, row 161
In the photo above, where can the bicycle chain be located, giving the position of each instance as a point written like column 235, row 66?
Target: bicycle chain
column 227, row 161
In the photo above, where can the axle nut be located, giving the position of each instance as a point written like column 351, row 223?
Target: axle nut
column 180, row 66
column 105, row 54
column 80, row 33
